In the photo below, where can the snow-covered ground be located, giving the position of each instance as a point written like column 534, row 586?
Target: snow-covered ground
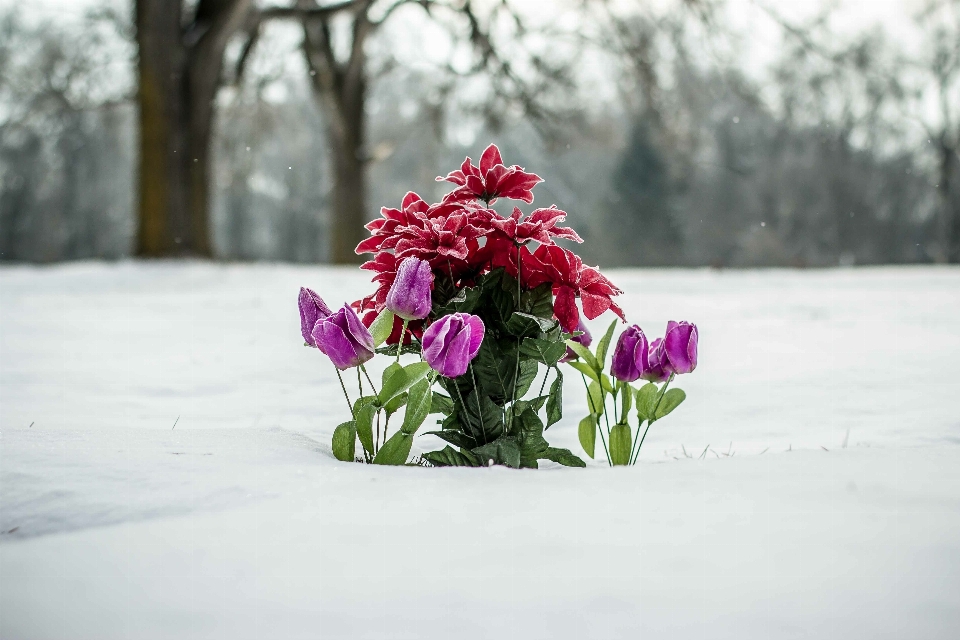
column 238, row 522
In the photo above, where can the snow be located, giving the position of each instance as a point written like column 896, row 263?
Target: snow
column 238, row 523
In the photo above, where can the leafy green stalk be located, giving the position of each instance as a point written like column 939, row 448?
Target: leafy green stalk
column 593, row 412
column 403, row 332
column 345, row 394
column 636, row 455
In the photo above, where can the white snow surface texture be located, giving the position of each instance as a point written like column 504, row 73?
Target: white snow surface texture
column 827, row 505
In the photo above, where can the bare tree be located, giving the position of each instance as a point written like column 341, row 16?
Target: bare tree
column 180, row 63
column 940, row 22
column 340, row 83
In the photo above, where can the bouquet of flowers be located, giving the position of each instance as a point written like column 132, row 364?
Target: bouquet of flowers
column 484, row 302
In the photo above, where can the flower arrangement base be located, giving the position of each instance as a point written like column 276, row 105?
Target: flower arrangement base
column 487, row 303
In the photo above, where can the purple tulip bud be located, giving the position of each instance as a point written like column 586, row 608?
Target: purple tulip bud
column 343, row 338
column 629, row 355
column 585, row 339
column 680, row 347
column 450, row 343
column 409, row 295
column 655, row 367
column 312, row 308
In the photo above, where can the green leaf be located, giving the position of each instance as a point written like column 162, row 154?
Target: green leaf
column 620, row 442
column 604, row 344
column 646, row 399
column 402, row 379
column 605, row 382
column 535, row 404
column 528, row 373
column 418, row 406
column 495, row 370
column 482, row 419
column 626, row 392
column 345, row 441
column 584, row 368
column 391, row 369
column 538, row 302
column 670, row 401
column 502, row 302
column 363, row 401
column 464, row 301
column 382, row 327
column 450, row 457
column 391, row 349
column 562, row 456
column 394, row 405
column 457, row 438
column 595, row 399
column 544, row 351
column 585, row 355
column 522, row 325
column 531, row 438
column 395, row 450
column 555, row 403
column 441, row 404
column 587, row 432
column 504, row 451
column 365, row 426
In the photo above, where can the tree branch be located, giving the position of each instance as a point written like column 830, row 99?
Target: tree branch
column 301, row 12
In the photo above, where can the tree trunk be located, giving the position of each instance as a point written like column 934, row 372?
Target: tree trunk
column 163, row 204
column 341, row 91
column 349, row 189
column 180, row 70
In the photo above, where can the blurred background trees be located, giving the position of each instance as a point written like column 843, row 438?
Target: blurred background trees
column 273, row 128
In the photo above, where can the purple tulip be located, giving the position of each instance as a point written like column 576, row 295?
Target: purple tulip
column 656, row 365
column 585, row 339
column 409, row 295
column 343, row 338
column 680, row 347
column 629, row 355
column 450, row 343
column 312, row 308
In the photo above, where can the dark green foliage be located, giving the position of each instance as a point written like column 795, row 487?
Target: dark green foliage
column 555, row 403
column 391, row 349
column 450, row 457
column 484, row 412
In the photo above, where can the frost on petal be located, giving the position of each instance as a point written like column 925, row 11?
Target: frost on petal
column 490, row 158
column 358, row 331
column 312, row 309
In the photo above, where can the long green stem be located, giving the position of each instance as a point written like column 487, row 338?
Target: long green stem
column 516, row 370
column 476, row 392
column 464, row 404
column 650, row 421
column 345, row 395
column 367, row 375
column 403, row 333
column 593, row 411
column 543, row 385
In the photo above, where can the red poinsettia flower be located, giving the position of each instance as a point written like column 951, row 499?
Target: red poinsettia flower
column 541, row 226
column 445, row 237
column 491, row 180
column 385, row 229
column 570, row 279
